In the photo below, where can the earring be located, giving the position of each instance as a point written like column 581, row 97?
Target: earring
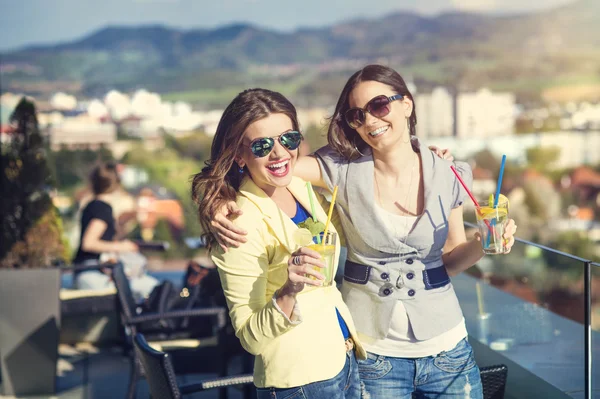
column 356, row 148
column 240, row 168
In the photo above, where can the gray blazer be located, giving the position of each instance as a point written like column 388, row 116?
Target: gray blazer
column 382, row 270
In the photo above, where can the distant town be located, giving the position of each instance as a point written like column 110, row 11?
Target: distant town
column 465, row 122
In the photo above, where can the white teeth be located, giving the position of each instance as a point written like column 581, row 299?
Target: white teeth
column 377, row 132
column 277, row 165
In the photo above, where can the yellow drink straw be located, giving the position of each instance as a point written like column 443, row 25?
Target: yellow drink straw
column 335, row 189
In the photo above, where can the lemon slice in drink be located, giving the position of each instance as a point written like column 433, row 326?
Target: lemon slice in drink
column 502, row 199
column 489, row 211
column 303, row 237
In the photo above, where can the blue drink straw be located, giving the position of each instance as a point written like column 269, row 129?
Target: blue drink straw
column 500, row 176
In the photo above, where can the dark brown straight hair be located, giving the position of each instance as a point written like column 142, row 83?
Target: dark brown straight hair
column 220, row 180
column 104, row 178
column 340, row 136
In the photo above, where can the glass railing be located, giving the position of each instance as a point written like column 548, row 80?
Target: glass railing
column 540, row 308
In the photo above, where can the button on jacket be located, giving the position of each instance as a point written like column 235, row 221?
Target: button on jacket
column 288, row 354
column 383, row 269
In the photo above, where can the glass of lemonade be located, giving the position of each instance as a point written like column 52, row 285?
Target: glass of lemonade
column 327, row 250
column 304, row 238
column 491, row 222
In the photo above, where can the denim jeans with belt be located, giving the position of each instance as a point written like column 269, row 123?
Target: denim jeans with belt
column 451, row 374
column 345, row 385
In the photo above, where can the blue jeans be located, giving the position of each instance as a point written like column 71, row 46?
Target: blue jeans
column 451, row 374
column 345, row 385
column 141, row 286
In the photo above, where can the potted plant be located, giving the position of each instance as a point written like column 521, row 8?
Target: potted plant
column 30, row 242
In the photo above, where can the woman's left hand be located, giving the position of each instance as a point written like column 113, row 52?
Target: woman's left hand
column 444, row 154
column 508, row 236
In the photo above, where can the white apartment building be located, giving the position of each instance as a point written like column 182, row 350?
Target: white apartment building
column 485, row 114
column 435, row 113
column 468, row 115
column 84, row 133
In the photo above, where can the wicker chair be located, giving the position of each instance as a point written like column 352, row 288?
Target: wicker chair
column 161, row 376
column 185, row 353
column 493, row 379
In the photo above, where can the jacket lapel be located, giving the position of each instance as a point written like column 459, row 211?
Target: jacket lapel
column 360, row 187
column 281, row 224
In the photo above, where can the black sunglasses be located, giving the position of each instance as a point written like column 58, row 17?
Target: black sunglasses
column 263, row 146
column 378, row 106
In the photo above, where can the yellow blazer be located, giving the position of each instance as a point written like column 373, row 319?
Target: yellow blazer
column 288, row 353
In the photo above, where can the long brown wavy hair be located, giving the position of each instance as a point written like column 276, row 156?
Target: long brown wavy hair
column 340, row 136
column 220, row 180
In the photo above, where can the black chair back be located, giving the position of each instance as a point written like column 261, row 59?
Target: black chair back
column 126, row 298
column 158, row 369
column 493, row 379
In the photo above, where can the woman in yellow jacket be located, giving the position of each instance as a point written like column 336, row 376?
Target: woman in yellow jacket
column 301, row 332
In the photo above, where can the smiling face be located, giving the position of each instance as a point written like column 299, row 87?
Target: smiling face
column 273, row 171
column 385, row 132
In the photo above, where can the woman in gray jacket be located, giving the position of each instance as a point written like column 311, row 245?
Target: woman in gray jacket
column 400, row 207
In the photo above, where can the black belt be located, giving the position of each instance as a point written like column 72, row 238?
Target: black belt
column 359, row 274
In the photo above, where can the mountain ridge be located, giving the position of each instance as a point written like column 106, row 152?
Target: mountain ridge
column 473, row 48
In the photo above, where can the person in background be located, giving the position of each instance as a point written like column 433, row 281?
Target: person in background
column 98, row 232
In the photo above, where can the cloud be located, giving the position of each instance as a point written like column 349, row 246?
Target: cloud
column 475, row 5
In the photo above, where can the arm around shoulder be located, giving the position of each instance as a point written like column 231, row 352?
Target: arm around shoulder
column 307, row 168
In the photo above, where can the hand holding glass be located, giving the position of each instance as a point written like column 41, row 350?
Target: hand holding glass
column 326, row 249
column 492, row 223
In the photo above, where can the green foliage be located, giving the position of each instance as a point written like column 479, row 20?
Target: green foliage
column 485, row 159
column 535, row 203
column 173, row 172
column 195, row 146
column 70, row 168
column 541, row 159
column 30, row 229
column 572, row 243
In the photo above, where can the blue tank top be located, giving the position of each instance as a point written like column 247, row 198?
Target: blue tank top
column 300, row 216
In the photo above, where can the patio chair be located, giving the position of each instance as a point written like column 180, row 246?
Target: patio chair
column 160, row 374
column 188, row 353
column 493, row 379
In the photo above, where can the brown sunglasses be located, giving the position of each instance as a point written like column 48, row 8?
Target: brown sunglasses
column 378, row 106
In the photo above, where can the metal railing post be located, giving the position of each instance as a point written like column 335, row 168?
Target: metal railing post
column 587, row 321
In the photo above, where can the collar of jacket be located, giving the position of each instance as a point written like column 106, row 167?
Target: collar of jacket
column 360, row 183
column 282, row 225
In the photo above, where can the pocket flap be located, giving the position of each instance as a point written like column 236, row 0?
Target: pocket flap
column 356, row 273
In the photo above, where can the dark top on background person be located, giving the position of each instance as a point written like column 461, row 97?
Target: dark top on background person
column 96, row 209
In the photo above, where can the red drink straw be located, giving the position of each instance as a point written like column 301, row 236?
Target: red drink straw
column 470, row 195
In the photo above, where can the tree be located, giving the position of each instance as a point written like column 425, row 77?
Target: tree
column 541, row 159
column 70, row 167
column 571, row 242
column 26, row 204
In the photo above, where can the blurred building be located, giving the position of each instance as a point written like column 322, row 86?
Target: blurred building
column 313, row 117
column 435, row 113
column 480, row 114
column 82, row 133
column 485, row 114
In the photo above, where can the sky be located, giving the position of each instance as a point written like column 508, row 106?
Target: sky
column 27, row 22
